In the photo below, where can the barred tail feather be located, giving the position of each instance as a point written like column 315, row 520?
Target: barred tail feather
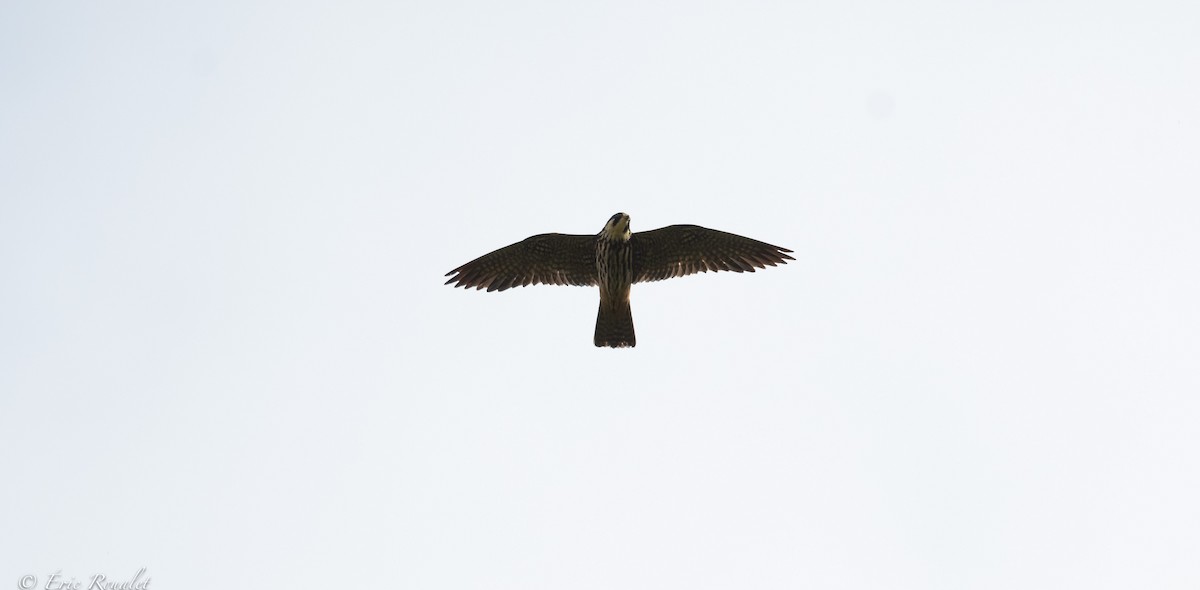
column 614, row 325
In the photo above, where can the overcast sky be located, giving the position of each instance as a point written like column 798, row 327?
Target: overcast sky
column 227, row 355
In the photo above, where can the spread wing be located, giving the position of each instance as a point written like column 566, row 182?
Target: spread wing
column 552, row 259
column 680, row 250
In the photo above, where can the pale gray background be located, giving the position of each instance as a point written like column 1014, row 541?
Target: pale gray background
column 227, row 354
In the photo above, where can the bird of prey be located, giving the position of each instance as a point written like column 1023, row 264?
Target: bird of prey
column 614, row 260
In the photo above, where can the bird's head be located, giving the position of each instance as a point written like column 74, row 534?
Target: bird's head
column 617, row 227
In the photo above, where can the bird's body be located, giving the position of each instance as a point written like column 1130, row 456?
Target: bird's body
column 614, row 274
column 614, row 260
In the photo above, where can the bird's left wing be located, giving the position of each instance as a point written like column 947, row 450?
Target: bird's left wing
column 680, row 250
column 552, row 259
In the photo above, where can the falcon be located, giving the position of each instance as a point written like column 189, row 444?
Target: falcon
column 614, row 260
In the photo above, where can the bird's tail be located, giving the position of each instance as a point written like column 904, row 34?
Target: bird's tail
column 614, row 325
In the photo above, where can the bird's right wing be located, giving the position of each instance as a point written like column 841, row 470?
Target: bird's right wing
column 680, row 250
column 552, row 259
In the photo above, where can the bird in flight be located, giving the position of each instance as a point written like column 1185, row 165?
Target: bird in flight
column 614, row 260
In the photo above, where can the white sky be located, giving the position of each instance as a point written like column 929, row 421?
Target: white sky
column 226, row 353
